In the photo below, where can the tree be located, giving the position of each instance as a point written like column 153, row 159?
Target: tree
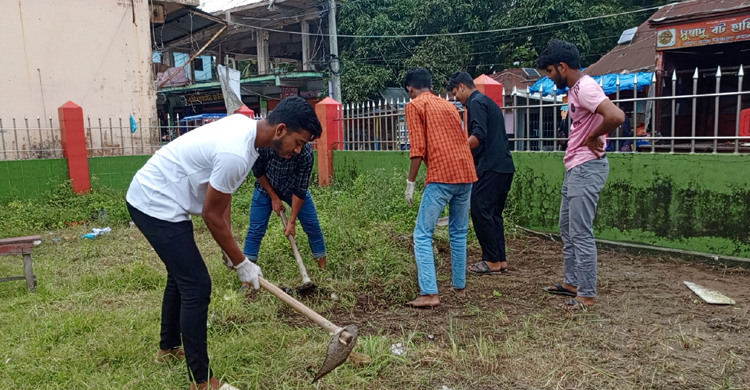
column 370, row 64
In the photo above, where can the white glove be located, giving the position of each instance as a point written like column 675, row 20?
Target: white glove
column 249, row 272
column 227, row 261
column 410, row 192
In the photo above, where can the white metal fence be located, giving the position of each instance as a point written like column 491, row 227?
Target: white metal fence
column 708, row 120
column 674, row 122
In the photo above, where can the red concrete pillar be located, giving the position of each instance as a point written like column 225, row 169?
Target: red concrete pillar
column 329, row 114
column 488, row 86
column 245, row 110
column 73, row 139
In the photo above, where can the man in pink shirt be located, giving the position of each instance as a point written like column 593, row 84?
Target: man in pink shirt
column 594, row 116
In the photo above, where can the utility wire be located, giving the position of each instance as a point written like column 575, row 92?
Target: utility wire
column 454, row 34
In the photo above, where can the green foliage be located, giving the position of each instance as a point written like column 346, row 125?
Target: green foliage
column 60, row 206
column 373, row 63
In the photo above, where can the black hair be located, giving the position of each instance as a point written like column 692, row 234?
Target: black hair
column 418, row 78
column 297, row 114
column 459, row 78
column 560, row 51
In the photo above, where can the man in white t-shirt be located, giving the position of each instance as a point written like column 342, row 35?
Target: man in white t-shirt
column 196, row 174
column 594, row 116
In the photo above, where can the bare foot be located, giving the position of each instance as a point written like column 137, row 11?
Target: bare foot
column 431, row 300
column 165, row 355
column 212, row 384
column 322, row 262
column 460, row 292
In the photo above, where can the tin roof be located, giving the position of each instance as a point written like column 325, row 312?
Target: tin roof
column 514, row 77
column 639, row 55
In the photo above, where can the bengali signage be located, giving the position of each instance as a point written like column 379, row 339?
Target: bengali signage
column 289, row 92
column 310, row 94
column 711, row 32
column 202, row 98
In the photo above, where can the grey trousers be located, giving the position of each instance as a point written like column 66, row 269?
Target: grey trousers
column 580, row 195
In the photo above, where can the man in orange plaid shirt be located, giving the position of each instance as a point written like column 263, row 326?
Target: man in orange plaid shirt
column 437, row 138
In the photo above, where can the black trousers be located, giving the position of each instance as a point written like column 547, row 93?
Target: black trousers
column 188, row 292
column 488, row 196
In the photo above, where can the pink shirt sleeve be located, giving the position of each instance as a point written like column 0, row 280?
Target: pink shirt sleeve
column 590, row 96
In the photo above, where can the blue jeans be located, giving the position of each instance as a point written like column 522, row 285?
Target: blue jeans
column 260, row 212
column 436, row 196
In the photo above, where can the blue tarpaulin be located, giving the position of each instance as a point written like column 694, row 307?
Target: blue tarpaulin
column 608, row 81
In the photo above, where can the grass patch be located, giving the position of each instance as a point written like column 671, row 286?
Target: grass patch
column 94, row 320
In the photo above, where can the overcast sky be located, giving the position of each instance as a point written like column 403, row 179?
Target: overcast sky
column 221, row 5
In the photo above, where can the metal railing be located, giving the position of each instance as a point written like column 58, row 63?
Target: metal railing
column 376, row 126
column 113, row 136
column 708, row 120
column 534, row 119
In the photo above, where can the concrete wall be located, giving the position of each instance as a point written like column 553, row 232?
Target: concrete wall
column 693, row 202
column 88, row 51
column 699, row 202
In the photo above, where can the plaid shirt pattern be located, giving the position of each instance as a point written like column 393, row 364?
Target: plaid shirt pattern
column 287, row 176
column 437, row 135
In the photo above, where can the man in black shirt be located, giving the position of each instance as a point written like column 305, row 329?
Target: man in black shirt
column 489, row 145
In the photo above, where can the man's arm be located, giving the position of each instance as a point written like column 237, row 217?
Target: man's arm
column 303, row 165
column 414, row 168
column 473, row 142
column 613, row 117
column 215, row 214
column 417, row 138
column 418, row 147
column 290, row 228
column 477, row 123
column 276, row 203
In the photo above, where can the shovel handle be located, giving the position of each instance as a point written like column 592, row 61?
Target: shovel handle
column 329, row 326
column 300, row 264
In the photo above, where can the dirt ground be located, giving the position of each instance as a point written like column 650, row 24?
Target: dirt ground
column 647, row 330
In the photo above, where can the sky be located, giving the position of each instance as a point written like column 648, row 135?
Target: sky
column 221, row 5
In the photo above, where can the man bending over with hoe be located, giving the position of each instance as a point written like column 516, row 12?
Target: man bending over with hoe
column 279, row 181
column 438, row 138
column 196, row 174
column 594, row 116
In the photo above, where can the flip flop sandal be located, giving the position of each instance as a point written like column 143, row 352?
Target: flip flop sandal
column 482, row 268
column 227, row 386
column 560, row 290
column 573, row 305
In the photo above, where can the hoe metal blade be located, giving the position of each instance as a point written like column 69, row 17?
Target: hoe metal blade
column 338, row 350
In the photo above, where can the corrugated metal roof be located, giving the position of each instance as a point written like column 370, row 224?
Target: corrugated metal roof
column 393, row 93
column 685, row 8
column 640, row 54
column 510, row 78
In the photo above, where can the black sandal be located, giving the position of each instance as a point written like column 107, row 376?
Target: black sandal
column 482, row 268
column 573, row 305
column 560, row 290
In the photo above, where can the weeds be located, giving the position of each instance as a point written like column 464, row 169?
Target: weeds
column 93, row 321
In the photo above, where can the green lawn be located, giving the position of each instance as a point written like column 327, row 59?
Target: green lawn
column 93, row 322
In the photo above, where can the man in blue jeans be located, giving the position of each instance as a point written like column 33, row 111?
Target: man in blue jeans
column 280, row 180
column 438, row 138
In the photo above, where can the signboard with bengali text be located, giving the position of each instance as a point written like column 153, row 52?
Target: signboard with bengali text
column 711, row 32
column 288, row 92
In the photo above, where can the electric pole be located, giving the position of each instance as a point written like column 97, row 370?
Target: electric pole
column 334, row 44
